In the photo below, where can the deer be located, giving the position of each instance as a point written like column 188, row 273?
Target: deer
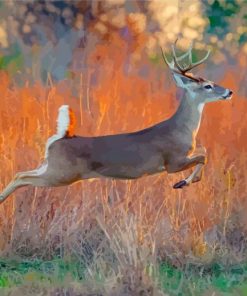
column 168, row 146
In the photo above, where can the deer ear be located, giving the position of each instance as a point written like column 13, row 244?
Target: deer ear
column 181, row 81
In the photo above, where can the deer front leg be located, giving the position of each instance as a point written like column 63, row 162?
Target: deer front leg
column 194, row 177
column 197, row 160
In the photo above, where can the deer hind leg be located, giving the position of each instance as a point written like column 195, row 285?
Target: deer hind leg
column 35, row 177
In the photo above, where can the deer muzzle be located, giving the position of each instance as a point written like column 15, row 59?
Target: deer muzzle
column 228, row 95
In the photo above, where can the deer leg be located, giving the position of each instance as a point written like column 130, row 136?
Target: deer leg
column 196, row 175
column 34, row 177
column 197, row 160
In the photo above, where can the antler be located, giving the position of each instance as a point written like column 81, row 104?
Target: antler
column 176, row 60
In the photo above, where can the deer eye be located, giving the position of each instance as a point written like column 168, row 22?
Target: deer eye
column 208, row 86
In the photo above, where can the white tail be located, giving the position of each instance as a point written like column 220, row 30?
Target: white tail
column 65, row 126
column 65, row 121
column 168, row 146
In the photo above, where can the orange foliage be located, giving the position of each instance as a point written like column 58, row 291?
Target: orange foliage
column 125, row 97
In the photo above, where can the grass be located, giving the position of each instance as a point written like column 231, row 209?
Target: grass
column 173, row 281
column 196, row 282
column 16, row 272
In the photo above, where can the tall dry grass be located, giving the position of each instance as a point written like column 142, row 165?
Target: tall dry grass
column 123, row 228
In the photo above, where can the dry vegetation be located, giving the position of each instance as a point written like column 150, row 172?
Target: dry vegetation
column 121, row 230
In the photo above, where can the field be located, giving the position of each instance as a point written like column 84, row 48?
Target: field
column 115, row 237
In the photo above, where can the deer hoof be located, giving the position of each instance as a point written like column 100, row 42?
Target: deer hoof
column 180, row 184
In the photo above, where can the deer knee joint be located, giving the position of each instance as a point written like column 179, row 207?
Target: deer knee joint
column 204, row 159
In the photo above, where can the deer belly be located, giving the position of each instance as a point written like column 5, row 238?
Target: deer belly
column 130, row 172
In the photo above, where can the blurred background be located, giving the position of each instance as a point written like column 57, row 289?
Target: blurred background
column 103, row 58
column 58, row 37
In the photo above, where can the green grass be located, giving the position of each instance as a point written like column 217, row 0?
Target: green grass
column 190, row 281
column 196, row 281
column 14, row 272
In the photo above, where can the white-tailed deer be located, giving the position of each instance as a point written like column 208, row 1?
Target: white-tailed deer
column 167, row 146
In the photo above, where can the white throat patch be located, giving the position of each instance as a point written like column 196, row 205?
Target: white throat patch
column 200, row 107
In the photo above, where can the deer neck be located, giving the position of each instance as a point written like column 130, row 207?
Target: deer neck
column 188, row 115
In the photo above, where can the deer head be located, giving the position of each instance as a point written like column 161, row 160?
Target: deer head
column 200, row 90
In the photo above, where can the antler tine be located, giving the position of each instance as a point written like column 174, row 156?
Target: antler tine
column 175, row 59
column 169, row 64
column 187, row 53
column 180, row 58
column 190, row 52
column 193, row 65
